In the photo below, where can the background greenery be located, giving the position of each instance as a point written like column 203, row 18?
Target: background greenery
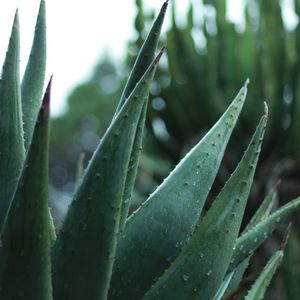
column 208, row 59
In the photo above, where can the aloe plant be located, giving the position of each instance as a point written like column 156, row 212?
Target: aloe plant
column 160, row 251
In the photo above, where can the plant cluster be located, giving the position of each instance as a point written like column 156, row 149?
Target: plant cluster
column 163, row 250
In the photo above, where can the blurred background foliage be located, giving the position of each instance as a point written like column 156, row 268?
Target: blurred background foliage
column 208, row 59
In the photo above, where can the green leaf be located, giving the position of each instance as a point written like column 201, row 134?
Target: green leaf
column 237, row 276
column 145, row 56
column 222, row 289
column 83, row 254
column 263, row 210
column 143, row 60
column 12, row 152
column 33, row 80
column 25, row 268
column 201, row 266
column 132, row 168
column 258, row 289
column 248, row 242
column 155, row 234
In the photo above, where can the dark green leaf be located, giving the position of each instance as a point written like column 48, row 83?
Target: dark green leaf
column 26, row 238
column 33, row 80
column 84, row 252
column 155, row 234
column 12, row 151
column 201, row 266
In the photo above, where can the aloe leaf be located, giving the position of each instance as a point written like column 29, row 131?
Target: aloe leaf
column 248, row 242
column 222, row 289
column 262, row 213
column 237, row 276
column 263, row 210
column 143, row 60
column 12, row 152
column 258, row 289
column 33, row 80
column 201, row 266
column 25, row 268
column 132, row 168
column 155, row 234
column 145, row 57
column 83, row 254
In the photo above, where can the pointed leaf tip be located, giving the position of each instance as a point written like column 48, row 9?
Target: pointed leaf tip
column 47, row 96
column 246, row 82
column 44, row 111
column 266, row 109
column 286, row 236
column 159, row 55
column 16, row 15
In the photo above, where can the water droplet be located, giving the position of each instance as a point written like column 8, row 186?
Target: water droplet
column 185, row 277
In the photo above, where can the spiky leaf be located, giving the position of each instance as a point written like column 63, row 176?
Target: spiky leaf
column 203, row 262
column 253, row 238
column 12, row 152
column 33, row 80
column 25, row 270
column 258, row 290
column 84, row 252
column 143, row 60
column 155, row 234
column 263, row 210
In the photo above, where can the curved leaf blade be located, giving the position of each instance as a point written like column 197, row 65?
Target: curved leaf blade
column 222, row 289
column 155, row 231
column 263, row 210
column 12, row 153
column 145, row 56
column 262, row 213
column 201, row 266
column 33, row 80
column 258, row 289
column 143, row 60
column 252, row 239
column 83, row 254
column 27, row 232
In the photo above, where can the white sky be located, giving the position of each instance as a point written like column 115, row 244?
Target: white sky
column 78, row 32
